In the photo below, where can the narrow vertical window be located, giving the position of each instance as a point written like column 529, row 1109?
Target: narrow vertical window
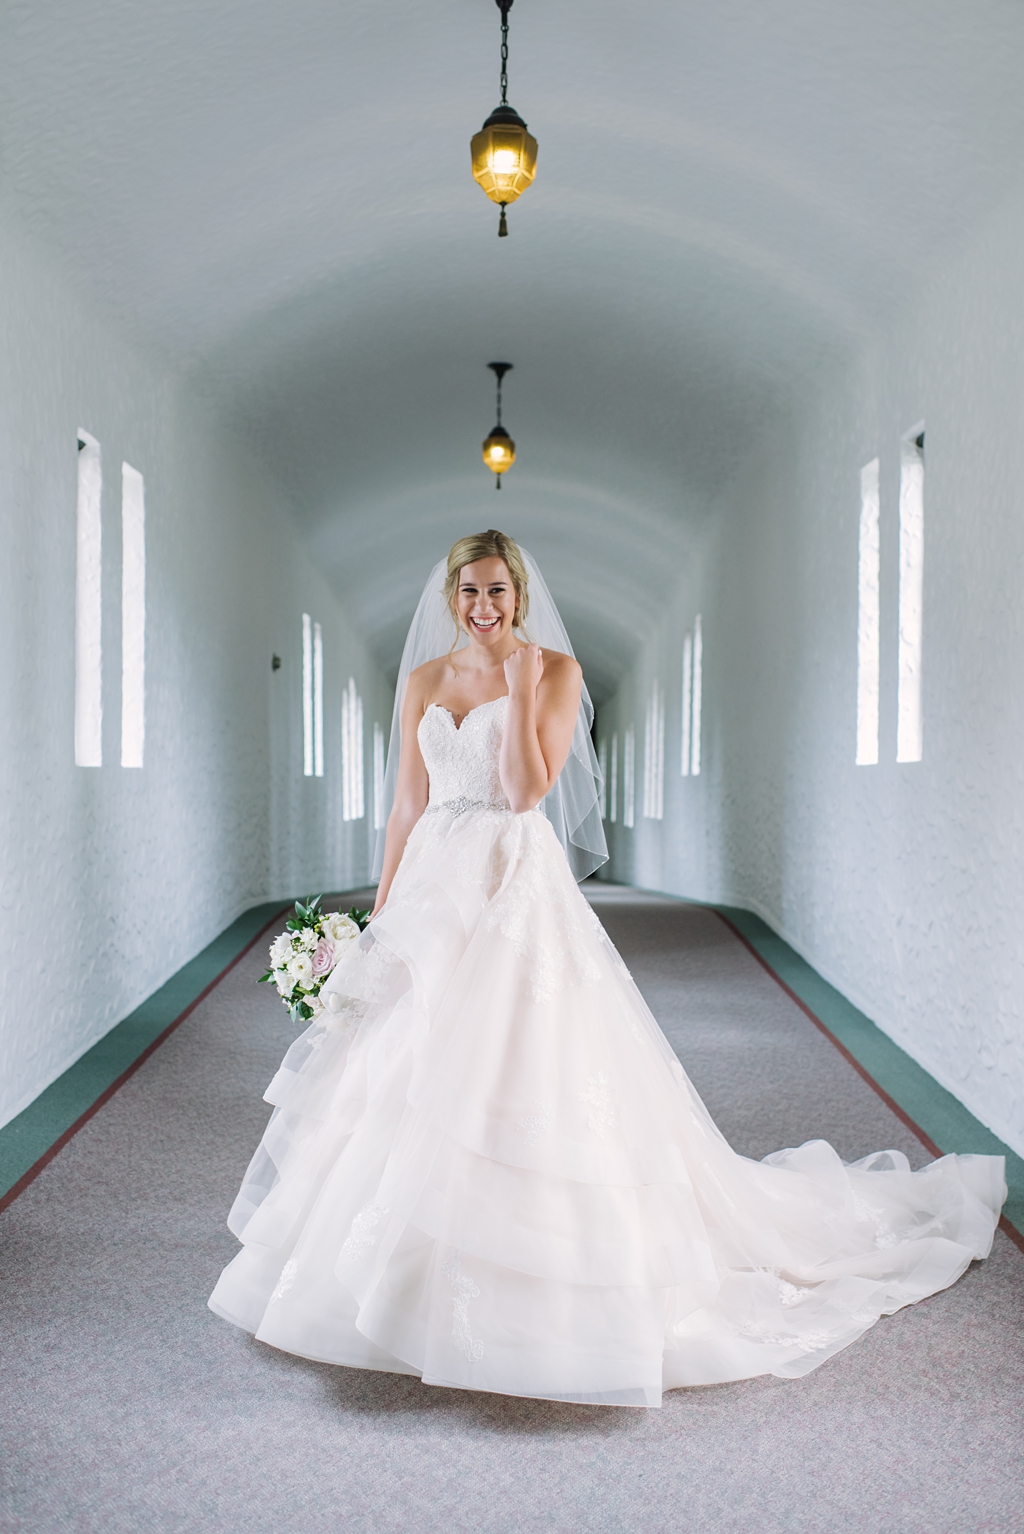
column 654, row 756
column 318, row 701
column 307, row 695
column 867, row 619
column 613, row 807
column 628, row 778
column 687, row 703
column 133, row 616
column 347, row 768
column 908, row 728
column 88, row 607
column 352, row 803
column 378, row 777
column 659, row 757
column 648, row 763
column 698, row 669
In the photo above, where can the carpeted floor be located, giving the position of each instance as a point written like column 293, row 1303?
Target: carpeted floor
column 130, row 1407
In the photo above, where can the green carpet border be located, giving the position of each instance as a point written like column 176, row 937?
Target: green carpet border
column 933, row 1113
column 31, row 1139
column 35, row 1135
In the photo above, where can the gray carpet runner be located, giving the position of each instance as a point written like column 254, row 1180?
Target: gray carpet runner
column 130, row 1407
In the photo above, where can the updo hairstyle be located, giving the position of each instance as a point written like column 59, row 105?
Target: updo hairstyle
column 489, row 545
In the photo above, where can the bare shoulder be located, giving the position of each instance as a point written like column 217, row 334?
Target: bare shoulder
column 426, row 678
column 564, row 670
column 424, row 683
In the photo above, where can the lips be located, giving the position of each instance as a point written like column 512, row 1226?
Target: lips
column 485, row 625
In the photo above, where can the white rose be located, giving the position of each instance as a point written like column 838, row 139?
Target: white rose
column 280, row 948
column 284, row 982
column 300, row 967
column 340, row 929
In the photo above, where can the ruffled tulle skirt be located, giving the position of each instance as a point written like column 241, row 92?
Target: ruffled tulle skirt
column 487, row 1167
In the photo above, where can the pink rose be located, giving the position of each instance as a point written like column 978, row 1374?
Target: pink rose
column 323, row 958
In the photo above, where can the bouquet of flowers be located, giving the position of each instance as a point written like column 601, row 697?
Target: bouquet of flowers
column 303, row 956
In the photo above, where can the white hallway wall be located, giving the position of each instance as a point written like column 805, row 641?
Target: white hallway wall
column 902, row 884
column 112, row 878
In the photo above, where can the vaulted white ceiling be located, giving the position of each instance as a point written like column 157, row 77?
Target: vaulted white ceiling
column 278, row 198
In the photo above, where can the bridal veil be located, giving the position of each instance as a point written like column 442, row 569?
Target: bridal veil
column 573, row 805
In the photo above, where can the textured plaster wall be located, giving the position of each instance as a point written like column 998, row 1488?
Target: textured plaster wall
column 110, row 879
column 903, row 884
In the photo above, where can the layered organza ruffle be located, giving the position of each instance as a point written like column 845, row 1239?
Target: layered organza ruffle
column 488, row 1168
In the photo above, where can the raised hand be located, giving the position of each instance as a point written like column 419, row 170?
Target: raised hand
column 523, row 670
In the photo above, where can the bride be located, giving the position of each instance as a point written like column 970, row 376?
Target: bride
column 485, row 1165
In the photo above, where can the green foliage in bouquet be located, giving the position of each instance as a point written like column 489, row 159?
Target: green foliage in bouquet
column 305, row 954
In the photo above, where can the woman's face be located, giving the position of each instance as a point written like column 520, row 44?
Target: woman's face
column 486, row 601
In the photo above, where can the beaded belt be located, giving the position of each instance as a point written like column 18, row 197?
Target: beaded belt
column 460, row 806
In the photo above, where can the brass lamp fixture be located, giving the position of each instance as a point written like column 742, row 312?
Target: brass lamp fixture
column 499, row 449
column 504, row 154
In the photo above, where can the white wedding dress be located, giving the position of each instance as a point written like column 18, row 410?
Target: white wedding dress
column 488, row 1168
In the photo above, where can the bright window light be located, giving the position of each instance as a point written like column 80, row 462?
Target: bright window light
column 133, row 616
column 307, row 695
column 613, row 791
column 698, row 666
column 378, row 777
column 628, row 775
column 867, row 619
column 602, row 762
column 654, row 756
column 352, row 805
column 908, row 728
column 318, row 701
column 88, row 607
column 687, row 703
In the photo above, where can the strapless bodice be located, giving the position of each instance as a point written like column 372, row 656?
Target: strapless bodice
column 462, row 764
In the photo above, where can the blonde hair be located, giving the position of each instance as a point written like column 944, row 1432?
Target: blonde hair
column 489, row 545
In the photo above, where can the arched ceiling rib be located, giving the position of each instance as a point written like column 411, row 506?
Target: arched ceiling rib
column 278, row 198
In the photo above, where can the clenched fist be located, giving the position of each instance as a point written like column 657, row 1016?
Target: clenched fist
column 524, row 669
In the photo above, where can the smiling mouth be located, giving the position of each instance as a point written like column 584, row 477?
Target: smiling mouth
column 485, row 625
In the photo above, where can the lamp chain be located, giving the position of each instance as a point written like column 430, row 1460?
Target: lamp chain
column 504, row 54
column 497, row 477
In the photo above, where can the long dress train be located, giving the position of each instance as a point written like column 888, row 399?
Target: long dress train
column 489, row 1169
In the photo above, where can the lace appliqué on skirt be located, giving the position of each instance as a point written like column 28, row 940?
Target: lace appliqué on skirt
column 598, row 1096
column 465, row 1290
column 286, row 1281
column 545, row 921
column 360, row 1240
column 536, row 1123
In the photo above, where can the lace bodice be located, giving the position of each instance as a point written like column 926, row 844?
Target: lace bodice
column 462, row 764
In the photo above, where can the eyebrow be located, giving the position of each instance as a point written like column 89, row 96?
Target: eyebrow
column 474, row 585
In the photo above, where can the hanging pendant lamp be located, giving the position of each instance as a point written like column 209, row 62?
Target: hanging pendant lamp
column 504, row 155
column 499, row 449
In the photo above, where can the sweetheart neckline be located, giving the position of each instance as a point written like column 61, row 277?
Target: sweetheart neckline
column 458, row 727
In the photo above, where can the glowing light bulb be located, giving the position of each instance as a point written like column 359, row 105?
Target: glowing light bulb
column 504, row 162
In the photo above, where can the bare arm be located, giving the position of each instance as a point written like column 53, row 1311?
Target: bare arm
column 411, row 791
column 543, row 703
